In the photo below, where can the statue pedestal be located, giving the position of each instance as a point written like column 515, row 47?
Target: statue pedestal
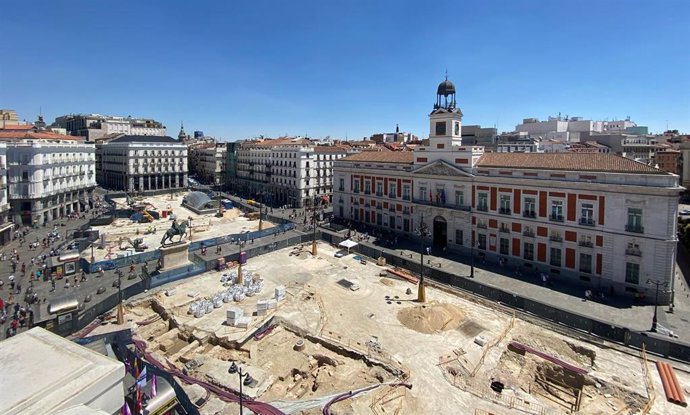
column 174, row 256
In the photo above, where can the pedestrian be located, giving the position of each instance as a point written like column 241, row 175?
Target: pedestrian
column 543, row 279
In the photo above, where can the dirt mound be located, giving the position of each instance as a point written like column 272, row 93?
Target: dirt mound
column 431, row 317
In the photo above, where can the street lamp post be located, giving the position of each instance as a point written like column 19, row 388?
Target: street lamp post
column 471, row 246
column 239, row 263
column 120, row 311
column 245, row 379
column 423, row 232
column 313, row 220
column 657, row 284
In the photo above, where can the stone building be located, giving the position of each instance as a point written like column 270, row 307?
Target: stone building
column 142, row 164
column 207, row 161
column 597, row 218
column 49, row 176
column 285, row 171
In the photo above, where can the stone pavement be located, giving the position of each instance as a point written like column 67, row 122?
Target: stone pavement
column 82, row 289
column 568, row 296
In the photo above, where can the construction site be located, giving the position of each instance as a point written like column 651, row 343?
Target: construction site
column 142, row 221
column 345, row 335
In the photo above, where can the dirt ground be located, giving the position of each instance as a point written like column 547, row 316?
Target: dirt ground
column 203, row 226
column 343, row 326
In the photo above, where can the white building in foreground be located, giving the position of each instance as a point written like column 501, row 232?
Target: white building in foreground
column 599, row 218
column 44, row 373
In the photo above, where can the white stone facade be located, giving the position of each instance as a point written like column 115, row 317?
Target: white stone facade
column 139, row 164
column 49, row 177
column 5, row 224
column 208, row 162
column 292, row 172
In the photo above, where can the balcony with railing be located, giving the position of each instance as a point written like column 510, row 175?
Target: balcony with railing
column 556, row 218
column 586, row 244
column 442, row 205
column 504, row 229
column 633, row 251
column 555, row 238
column 483, row 208
column 587, row 222
column 481, row 225
column 504, row 211
column 634, row 227
column 529, row 214
column 528, row 233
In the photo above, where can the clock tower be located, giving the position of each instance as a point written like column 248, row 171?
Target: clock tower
column 446, row 119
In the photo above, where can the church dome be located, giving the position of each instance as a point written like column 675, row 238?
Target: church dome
column 446, row 88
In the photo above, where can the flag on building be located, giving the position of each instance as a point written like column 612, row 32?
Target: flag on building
column 125, row 409
column 154, row 386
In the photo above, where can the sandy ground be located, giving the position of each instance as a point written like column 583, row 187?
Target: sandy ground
column 360, row 328
column 203, row 227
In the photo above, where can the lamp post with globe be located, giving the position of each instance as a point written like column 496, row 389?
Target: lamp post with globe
column 245, row 379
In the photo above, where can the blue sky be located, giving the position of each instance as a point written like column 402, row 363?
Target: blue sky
column 346, row 68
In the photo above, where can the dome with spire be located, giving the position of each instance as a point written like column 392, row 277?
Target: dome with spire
column 182, row 135
column 445, row 88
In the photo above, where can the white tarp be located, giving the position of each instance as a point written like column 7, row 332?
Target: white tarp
column 347, row 243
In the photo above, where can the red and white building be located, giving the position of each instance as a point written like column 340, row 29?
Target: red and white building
column 594, row 217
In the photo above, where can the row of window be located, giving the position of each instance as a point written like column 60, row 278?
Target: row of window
column 391, row 192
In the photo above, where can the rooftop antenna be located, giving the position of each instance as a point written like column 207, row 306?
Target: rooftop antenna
column 446, row 74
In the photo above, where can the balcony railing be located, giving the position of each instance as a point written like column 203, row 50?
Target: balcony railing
column 481, row 225
column 483, row 208
column 504, row 230
column 392, row 195
column 634, row 228
column 633, row 251
column 442, row 205
column 504, row 211
column 379, row 194
column 556, row 218
column 529, row 214
column 587, row 221
column 586, row 244
column 555, row 238
column 528, row 233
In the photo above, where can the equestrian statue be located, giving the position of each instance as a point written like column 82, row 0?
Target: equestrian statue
column 175, row 229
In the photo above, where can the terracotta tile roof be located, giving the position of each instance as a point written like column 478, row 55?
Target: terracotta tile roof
column 17, row 127
column 400, row 157
column 330, row 149
column 36, row 136
column 595, row 162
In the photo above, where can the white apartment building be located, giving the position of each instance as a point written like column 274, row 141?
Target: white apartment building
column 598, row 218
column 94, row 126
column 207, row 161
column 49, row 176
column 5, row 224
column 142, row 164
column 286, row 171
